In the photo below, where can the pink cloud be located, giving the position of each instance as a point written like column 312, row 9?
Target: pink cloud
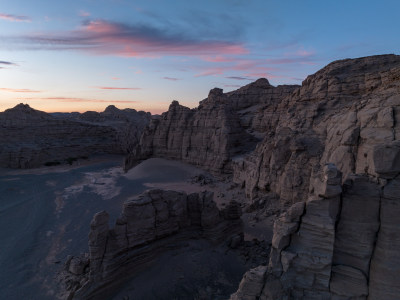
column 171, row 78
column 255, row 66
column 14, row 18
column 304, row 53
column 212, row 71
column 83, row 13
column 260, row 75
column 218, row 58
column 116, row 88
column 69, row 99
column 306, row 60
column 19, row 90
column 107, row 38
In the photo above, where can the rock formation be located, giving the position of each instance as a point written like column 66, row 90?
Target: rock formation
column 222, row 127
column 31, row 138
column 339, row 238
column 328, row 151
column 336, row 245
column 149, row 225
column 339, row 235
column 128, row 123
column 344, row 114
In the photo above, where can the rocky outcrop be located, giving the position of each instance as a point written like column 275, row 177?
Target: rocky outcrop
column 251, row 285
column 128, row 123
column 337, row 245
column 344, row 114
column 31, row 138
column 339, row 235
column 149, row 225
column 222, row 127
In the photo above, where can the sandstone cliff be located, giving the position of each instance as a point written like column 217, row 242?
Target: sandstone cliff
column 330, row 152
column 337, row 245
column 31, row 138
column 342, row 114
column 149, row 225
column 340, row 240
column 222, row 127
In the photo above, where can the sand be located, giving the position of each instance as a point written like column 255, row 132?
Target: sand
column 45, row 215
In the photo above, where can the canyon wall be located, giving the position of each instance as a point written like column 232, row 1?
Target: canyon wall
column 222, row 127
column 330, row 151
column 31, row 138
column 274, row 139
column 149, row 225
column 338, row 244
column 341, row 114
column 339, row 238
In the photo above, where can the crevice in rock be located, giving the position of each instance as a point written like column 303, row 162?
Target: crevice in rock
column 105, row 249
column 376, row 235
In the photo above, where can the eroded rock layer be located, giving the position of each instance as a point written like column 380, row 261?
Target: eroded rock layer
column 337, row 245
column 339, row 238
column 345, row 114
column 149, row 225
column 31, row 138
column 222, row 127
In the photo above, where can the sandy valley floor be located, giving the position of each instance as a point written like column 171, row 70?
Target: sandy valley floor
column 45, row 215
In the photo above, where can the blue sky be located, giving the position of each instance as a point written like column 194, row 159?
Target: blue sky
column 85, row 55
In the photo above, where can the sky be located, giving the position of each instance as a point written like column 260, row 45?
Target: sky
column 85, row 55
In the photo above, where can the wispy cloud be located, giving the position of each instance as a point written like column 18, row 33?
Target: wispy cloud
column 116, row 88
column 213, row 71
column 8, row 63
column 14, row 18
column 83, row 13
column 300, row 56
column 19, row 90
column 103, row 37
column 307, row 60
column 218, row 58
column 171, row 78
column 238, row 78
column 241, row 65
column 69, row 99
column 250, row 67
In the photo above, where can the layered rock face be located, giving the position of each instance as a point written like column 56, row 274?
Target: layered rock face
column 222, row 127
column 129, row 123
column 337, row 245
column 339, row 238
column 149, row 225
column 345, row 114
column 30, row 138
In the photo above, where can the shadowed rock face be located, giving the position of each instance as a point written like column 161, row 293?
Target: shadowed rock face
column 30, row 138
column 340, row 237
column 335, row 246
column 345, row 114
column 149, row 225
column 222, row 127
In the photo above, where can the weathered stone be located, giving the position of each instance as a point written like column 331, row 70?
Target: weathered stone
column 77, row 265
column 358, row 224
column 149, row 224
column 348, row 282
column 385, row 263
column 223, row 126
column 32, row 138
column 386, row 159
column 251, row 285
